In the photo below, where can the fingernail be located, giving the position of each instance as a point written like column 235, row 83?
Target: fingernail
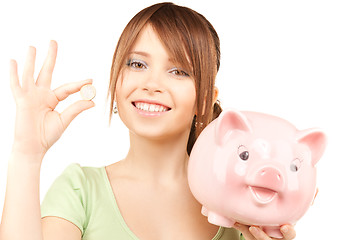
column 285, row 229
column 254, row 230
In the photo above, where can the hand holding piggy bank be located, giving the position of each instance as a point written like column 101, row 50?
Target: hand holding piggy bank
column 255, row 169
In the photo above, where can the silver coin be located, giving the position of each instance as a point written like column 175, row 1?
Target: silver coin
column 87, row 92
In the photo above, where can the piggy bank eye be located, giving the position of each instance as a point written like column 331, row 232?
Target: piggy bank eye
column 243, row 153
column 295, row 165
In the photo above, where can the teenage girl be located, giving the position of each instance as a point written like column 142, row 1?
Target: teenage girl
column 162, row 87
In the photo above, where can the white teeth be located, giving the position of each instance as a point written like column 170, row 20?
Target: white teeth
column 150, row 107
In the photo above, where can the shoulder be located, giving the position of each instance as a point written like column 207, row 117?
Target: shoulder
column 76, row 177
column 76, row 168
column 83, row 173
column 72, row 193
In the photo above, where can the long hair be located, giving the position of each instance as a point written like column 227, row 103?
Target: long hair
column 191, row 41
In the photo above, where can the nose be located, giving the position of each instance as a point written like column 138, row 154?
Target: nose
column 153, row 83
column 269, row 177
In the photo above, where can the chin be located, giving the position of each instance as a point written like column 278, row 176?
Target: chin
column 160, row 133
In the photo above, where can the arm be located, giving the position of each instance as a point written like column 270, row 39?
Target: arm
column 22, row 206
column 55, row 228
column 28, row 211
column 37, row 127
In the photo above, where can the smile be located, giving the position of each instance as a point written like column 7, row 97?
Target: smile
column 263, row 195
column 151, row 107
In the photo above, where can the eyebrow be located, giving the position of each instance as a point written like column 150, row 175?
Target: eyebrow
column 145, row 54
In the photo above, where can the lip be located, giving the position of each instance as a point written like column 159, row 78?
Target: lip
column 149, row 101
column 263, row 195
column 146, row 113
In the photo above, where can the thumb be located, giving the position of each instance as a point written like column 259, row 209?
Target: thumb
column 73, row 110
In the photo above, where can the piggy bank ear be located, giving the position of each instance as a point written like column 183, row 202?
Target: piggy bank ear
column 229, row 121
column 315, row 139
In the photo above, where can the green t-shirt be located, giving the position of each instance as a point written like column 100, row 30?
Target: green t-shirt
column 83, row 196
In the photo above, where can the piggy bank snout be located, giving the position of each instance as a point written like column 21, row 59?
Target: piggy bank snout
column 269, row 177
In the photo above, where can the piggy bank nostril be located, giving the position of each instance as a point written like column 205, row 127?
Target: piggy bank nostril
column 269, row 177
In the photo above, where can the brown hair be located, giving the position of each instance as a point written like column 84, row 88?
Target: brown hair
column 198, row 53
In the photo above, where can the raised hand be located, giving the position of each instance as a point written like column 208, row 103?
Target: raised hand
column 38, row 126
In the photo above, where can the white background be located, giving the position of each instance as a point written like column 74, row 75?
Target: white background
column 295, row 59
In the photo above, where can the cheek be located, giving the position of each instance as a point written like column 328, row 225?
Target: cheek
column 186, row 95
column 118, row 89
column 123, row 85
column 118, row 85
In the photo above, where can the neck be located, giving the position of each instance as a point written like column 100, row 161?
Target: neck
column 158, row 161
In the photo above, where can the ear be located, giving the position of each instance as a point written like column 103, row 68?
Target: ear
column 315, row 139
column 214, row 99
column 215, row 95
column 228, row 121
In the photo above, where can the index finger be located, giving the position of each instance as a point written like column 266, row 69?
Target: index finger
column 45, row 75
column 14, row 77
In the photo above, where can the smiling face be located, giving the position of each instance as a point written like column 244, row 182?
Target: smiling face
column 155, row 97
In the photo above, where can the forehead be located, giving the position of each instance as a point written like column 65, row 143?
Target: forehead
column 148, row 42
column 161, row 43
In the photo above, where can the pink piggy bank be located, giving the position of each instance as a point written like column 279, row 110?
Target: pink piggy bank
column 255, row 169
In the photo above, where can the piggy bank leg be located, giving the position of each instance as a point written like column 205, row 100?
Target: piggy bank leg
column 217, row 219
column 204, row 211
column 273, row 232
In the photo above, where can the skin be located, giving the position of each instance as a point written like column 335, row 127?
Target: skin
column 37, row 127
column 152, row 76
column 154, row 169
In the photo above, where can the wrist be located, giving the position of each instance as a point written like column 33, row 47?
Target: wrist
column 27, row 150
column 26, row 158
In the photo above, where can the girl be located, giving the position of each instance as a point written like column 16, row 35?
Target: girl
column 162, row 87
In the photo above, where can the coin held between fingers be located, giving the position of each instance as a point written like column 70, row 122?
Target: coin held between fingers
column 87, row 92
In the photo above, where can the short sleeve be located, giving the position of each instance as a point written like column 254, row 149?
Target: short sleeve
column 242, row 237
column 230, row 234
column 66, row 197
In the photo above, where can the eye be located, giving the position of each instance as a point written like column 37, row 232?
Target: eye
column 137, row 64
column 179, row 72
column 243, row 153
column 295, row 165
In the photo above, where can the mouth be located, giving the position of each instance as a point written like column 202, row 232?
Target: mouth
column 150, row 107
column 263, row 195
